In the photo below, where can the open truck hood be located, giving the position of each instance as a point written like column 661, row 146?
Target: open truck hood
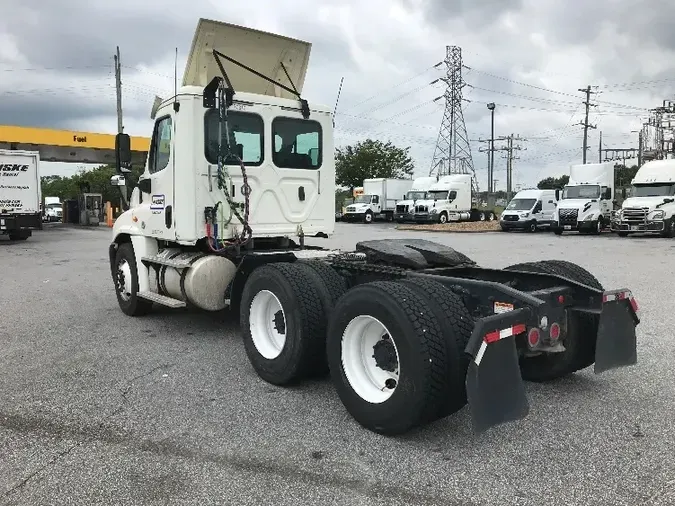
column 261, row 51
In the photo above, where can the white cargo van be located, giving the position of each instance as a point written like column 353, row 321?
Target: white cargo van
column 530, row 210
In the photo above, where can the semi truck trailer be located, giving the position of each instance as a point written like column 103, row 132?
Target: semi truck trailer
column 409, row 331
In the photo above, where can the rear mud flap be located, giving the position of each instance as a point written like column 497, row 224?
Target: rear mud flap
column 616, row 344
column 494, row 386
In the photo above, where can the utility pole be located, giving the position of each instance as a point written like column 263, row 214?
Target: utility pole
column 600, row 149
column 585, row 124
column 118, row 88
column 640, row 148
column 510, row 148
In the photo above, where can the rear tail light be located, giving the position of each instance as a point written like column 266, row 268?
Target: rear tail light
column 554, row 331
column 533, row 337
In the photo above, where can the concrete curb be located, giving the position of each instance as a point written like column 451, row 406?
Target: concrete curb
column 448, row 231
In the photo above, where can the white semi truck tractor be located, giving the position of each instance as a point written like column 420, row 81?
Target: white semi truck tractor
column 651, row 205
column 240, row 176
column 405, row 208
column 451, row 198
column 587, row 200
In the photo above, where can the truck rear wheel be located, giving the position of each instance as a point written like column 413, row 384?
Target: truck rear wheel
column 283, row 322
column 581, row 330
column 456, row 324
column 125, row 277
column 387, row 357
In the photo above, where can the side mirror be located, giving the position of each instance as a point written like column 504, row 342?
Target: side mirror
column 623, row 193
column 123, row 153
column 118, row 180
column 668, row 201
column 145, row 185
column 608, row 194
column 557, row 194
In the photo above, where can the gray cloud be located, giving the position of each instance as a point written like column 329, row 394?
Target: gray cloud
column 544, row 43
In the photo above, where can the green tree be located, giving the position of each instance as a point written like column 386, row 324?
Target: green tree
column 371, row 159
column 553, row 183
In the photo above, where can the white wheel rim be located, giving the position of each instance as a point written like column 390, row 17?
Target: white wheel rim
column 368, row 380
column 267, row 322
column 443, row 218
column 124, row 280
column 482, row 217
column 368, row 217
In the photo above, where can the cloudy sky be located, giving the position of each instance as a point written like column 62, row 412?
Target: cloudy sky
column 529, row 57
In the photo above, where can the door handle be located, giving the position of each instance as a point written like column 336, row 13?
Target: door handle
column 301, row 193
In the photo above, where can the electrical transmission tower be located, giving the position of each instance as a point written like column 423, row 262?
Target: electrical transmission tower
column 453, row 154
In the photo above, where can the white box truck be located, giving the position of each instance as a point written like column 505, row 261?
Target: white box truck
column 530, row 210
column 587, row 200
column 378, row 200
column 20, row 194
column 451, row 199
column 418, row 191
column 651, row 206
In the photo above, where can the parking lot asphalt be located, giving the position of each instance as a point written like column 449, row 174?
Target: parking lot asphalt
column 100, row 408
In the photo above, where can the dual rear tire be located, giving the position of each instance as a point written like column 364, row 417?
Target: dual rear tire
column 394, row 349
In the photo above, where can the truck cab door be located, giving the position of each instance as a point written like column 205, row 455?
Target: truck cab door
column 537, row 211
column 375, row 204
column 451, row 204
column 606, row 206
column 157, row 182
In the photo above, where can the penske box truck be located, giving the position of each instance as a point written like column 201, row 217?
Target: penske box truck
column 20, row 194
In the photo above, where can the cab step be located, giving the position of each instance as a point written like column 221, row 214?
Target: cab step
column 162, row 299
column 169, row 262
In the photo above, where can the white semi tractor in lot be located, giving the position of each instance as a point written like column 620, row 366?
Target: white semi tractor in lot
column 651, row 206
column 451, row 199
column 405, row 209
column 378, row 200
column 20, row 194
column 587, row 200
column 241, row 171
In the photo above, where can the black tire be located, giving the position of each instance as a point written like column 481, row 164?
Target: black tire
column 420, row 343
column 443, row 217
column 134, row 305
column 304, row 323
column 18, row 236
column 668, row 228
column 532, row 226
column 330, row 286
column 456, row 324
column 579, row 340
column 622, row 234
column 557, row 230
column 368, row 217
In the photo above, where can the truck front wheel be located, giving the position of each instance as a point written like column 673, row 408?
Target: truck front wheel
column 387, row 357
column 125, row 277
column 368, row 217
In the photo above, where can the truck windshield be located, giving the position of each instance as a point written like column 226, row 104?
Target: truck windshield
column 521, row 204
column 653, row 190
column 586, row 191
column 415, row 195
column 442, row 194
column 362, row 199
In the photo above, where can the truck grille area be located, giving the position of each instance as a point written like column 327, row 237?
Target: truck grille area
column 568, row 216
column 401, row 209
column 421, row 209
column 634, row 214
column 511, row 217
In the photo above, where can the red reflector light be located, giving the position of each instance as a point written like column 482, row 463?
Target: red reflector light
column 621, row 295
column 561, row 299
column 519, row 329
column 533, row 337
column 554, row 331
column 491, row 337
column 634, row 304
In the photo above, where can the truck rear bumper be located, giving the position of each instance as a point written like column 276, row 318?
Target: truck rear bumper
column 16, row 222
column 495, row 388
